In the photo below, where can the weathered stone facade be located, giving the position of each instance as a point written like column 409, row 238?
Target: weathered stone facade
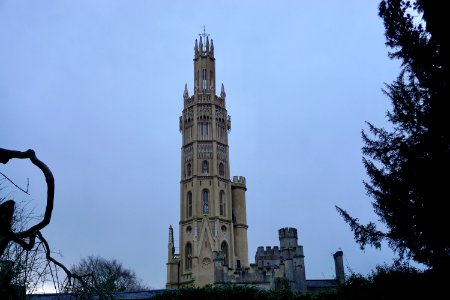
column 213, row 219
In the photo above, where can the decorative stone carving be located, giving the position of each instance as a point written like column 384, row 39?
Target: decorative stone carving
column 188, row 154
column 206, row 261
column 204, row 150
column 221, row 152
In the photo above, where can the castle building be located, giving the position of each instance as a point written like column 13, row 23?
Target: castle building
column 213, row 246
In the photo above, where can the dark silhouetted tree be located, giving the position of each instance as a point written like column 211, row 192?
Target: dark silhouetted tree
column 25, row 255
column 107, row 276
column 408, row 164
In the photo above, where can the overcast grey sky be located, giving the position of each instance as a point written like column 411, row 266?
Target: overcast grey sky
column 95, row 88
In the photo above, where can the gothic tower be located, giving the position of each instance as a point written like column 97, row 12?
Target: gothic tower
column 213, row 225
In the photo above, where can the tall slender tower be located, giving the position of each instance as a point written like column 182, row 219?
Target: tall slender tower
column 213, row 226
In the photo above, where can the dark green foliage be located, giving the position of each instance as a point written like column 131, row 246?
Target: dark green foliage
column 408, row 165
column 228, row 292
column 399, row 281
column 281, row 283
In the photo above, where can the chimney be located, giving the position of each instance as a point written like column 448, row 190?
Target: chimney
column 339, row 266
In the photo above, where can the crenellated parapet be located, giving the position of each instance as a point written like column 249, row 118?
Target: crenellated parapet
column 272, row 252
column 287, row 232
column 271, row 257
column 239, row 179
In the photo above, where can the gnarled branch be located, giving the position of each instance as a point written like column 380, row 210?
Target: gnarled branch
column 5, row 156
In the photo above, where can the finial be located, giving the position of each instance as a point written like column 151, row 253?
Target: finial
column 222, row 92
column 204, row 29
column 212, row 48
column 207, row 44
column 205, row 37
column 185, row 95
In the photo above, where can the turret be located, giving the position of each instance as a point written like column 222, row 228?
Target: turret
column 294, row 258
column 238, row 189
column 288, row 237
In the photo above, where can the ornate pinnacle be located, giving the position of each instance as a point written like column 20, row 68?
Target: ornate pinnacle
column 196, row 48
column 185, row 93
column 171, row 241
column 222, row 92
column 212, row 48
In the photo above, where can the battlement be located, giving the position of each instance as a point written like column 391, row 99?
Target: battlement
column 239, row 179
column 275, row 250
column 287, row 232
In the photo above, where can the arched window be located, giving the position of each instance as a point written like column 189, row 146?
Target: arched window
column 205, row 167
column 188, row 256
column 205, row 201
column 189, row 204
column 221, row 169
column 189, row 170
column 222, row 203
column 224, row 248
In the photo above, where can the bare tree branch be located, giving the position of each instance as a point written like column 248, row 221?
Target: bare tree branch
column 7, row 178
column 5, row 156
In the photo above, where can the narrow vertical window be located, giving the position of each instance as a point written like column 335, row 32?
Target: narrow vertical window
column 205, row 167
column 224, row 248
column 204, row 79
column 221, row 169
column 188, row 256
column 189, row 204
column 189, row 170
column 205, row 200
column 222, row 203
column 210, row 77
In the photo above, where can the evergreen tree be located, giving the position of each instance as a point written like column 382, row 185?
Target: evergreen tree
column 409, row 164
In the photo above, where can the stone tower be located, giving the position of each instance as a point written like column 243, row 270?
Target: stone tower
column 293, row 259
column 213, row 223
